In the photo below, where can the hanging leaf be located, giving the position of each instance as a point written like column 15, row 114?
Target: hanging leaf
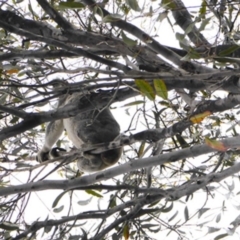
column 162, row 16
column 98, row 10
column 133, row 4
column 126, row 232
column 199, row 117
column 167, row 209
column 112, row 202
column 55, row 202
column 58, row 210
column 213, row 229
column 186, row 214
column 146, row 89
column 202, row 211
column 160, row 88
column 204, row 24
column 133, row 103
column 229, row 50
column 174, row 215
column 70, row 5
column 169, row 4
column 128, row 40
column 183, row 41
column 141, row 149
column 91, row 192
column 217, row 145
column 203, row 9
column 218, row 218
column 9, row 226
column 110, row 18
column 221, row 236
column 84, row 202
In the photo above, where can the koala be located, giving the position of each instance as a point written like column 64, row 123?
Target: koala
column 90, row 127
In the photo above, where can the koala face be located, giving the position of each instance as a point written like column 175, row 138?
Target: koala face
column 96, row 162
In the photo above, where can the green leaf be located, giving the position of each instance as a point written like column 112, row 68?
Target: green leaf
column 229, row 50
column 169, row 4
column 141, row 149
column 186, row 214
column 112, row 202
column 162, row 16
column 218, row 218
column 226, row 59
column 160, row 88
column 203, row 9
column 57, row 210
column 190, row 28
column 9, row 226
column 204, row 24
column 213, row 229
column 133, row 103
column 167, row 209
column 202, row 211
column 55, row 202
column 183, row 41
column 133, row 4
column 110, row 18
column 91, row 192
column 128, row 40
column 221, row 236
column 84, row 202
column 98, row 10
column 126, row 232
column 174, row 215
column 70, row 5
column 146, row 89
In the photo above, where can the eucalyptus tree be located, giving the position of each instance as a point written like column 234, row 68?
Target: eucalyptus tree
column 177, row 108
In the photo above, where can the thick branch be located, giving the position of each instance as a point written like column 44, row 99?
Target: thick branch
column 57, row 43
column 211, row 106
column 184, row 20
column 152, row 43
column 96, row 43
column 96, row 100
column 55, row 15
column 126, row 168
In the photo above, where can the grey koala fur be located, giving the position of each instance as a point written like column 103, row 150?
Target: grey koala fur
column 89, row 127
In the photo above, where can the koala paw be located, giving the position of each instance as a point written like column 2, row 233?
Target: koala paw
column 56, row 152
column 42, row 156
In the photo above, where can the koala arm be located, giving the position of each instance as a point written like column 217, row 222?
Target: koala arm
column 53, row 131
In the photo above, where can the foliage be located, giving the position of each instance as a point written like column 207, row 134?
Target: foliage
column 178, row 109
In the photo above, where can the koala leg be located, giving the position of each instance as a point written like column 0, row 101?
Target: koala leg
column 53, row 132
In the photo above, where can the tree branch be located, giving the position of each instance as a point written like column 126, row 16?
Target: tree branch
column 55, row 15
column 126, row 168
column 58, row 43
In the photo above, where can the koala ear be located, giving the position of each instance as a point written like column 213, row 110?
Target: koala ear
column 56, row 152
